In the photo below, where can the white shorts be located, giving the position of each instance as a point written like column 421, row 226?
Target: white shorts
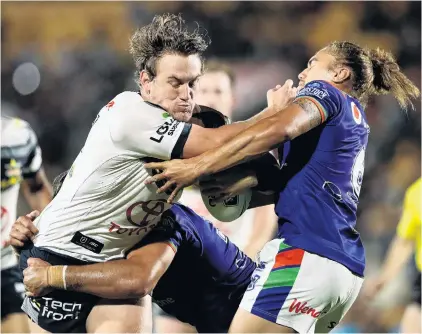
column 300, row 290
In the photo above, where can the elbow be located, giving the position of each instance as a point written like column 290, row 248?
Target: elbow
column 135, row 288
column 287, row 132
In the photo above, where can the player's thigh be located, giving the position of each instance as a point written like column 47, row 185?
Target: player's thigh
column 34, row 328
column 13, row 319
column 327, row 322
column 294, row 288
column 246, row 322
column 167, row 324
column 15, row 323
column 411, row 321
column 121, row 316
column 164, row 323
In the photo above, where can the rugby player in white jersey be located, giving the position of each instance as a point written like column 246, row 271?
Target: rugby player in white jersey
column 20, row 170
column 255, row 227
column 104, row 207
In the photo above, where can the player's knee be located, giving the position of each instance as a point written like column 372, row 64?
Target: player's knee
column 15, row 323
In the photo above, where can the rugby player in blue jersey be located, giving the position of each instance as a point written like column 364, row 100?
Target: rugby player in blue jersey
column 313, row 270
column 190, row 268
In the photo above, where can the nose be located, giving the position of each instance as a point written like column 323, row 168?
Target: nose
column 186, row 92
column 302, row 75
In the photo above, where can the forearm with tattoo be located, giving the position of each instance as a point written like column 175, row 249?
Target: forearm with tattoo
column 298, row 118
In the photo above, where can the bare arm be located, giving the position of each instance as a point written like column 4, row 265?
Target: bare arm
column 133, row 277
column 296, row 119
column 203, row 139
column 398, row 254
column 37, row 191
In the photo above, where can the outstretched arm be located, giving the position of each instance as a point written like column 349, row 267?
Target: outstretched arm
column 133, row 277
column 296, row 119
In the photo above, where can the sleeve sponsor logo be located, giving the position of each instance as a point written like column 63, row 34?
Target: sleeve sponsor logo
column 318, row 92
column 168, row 128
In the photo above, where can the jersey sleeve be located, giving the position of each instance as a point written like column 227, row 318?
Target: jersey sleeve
column 327, row 98
column 34, row 158
column 167, row 230
column 408, row 224
column 138, row 126
column 224, row 258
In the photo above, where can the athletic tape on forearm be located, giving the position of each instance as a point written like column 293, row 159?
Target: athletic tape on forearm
column 56, row 277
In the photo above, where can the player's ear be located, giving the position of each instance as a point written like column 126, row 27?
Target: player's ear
column 145, row 81
column 341, row 74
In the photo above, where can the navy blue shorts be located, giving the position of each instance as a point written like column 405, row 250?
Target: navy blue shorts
column 59, row 311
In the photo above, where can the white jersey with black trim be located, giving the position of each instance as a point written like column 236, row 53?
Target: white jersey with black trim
column 20, row 159
column 104, row 207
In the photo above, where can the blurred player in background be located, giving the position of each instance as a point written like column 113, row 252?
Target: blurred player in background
column 313, row 271
column 255, row 227
column 251, row 231
column 406, row 241
column 21, row 168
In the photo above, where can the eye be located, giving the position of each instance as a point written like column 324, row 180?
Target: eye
column 192, row 84
column 175, row 84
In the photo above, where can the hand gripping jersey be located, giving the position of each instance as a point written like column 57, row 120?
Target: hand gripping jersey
column 208, row 276
column 104, row 207
column 20, row 159
column 322, row 177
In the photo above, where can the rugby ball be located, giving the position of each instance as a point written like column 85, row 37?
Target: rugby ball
column 231, row 208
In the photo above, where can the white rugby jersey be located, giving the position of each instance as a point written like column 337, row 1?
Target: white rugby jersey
column 238, row 231
column 104, row 208
column 20, row 158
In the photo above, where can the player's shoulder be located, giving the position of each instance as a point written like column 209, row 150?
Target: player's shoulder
column 128, row 106
column 130, row 98
column 322, row 90
column 16, row 132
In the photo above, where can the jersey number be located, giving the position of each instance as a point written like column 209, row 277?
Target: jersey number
column 357, row 171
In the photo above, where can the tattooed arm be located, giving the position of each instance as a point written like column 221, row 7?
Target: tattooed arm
column 298, row 118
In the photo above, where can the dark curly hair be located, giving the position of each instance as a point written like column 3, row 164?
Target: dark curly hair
column 166, row 34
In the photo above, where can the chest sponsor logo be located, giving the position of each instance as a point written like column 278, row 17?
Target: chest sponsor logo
column 115, row 228
column 142, row 213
